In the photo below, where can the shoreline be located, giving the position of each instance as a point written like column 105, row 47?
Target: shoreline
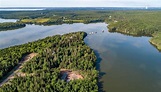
column 135, row 35
column 155, row 45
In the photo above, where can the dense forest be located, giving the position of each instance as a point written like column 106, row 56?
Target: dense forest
column 43, row 71
column 10, row 26
column 143, row 23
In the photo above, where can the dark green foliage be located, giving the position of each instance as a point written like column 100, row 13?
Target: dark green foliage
column 21, row 14
column 58, row 16
column 138, row 23
column 10, row 26
column 54, row 53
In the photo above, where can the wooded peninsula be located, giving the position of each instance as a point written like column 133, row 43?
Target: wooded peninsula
column 55, row 55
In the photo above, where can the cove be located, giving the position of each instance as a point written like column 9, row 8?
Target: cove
column 126, row 63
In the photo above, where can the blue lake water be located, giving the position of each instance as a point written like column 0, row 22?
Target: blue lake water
column 126, row 63
column 7, row 20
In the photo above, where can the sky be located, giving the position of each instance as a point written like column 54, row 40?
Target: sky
column 80, row 3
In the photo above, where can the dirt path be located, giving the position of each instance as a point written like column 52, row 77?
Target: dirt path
column 14, row 71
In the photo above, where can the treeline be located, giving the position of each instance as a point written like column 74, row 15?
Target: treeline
column 139, row 23
column 22, row 14
column 43, row 71
column 57, row 16
column 59, row 21
column 11, row 26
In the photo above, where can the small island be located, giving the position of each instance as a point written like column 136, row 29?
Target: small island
column 43, row 63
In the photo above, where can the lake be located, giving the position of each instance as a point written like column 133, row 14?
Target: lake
column 126, row 63
column 7, row 20
column 12, row 9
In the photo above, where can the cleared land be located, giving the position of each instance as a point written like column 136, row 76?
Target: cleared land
column 69, row 75
column 37, row 20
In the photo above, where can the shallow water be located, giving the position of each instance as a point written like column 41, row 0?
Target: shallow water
column 127, row 64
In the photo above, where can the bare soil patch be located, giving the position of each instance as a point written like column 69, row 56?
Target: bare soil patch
column 69, row 75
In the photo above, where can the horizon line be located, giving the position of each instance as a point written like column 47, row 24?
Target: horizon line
column 79, row 7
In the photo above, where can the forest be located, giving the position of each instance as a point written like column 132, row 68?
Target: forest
column 54, row 17
column 43, row 71
column 11, row 26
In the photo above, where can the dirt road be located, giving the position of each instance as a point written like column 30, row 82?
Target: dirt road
column 11, row 74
